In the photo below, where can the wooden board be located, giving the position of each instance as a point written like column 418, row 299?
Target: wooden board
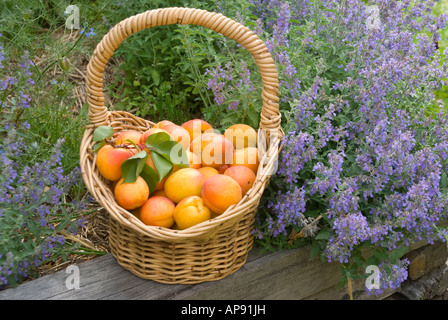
column 286, row 275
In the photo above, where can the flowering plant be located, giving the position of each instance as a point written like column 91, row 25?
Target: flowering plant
column 364, row 161
column 35, row 213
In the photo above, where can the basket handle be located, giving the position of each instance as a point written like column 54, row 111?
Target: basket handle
column 97, row 111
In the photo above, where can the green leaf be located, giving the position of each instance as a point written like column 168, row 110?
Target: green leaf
column 102, row 132
column 398, row 253
column 98, row 146
column 173, row 152
column 132, row 167
column 155, row 139
column 163, row 166
column 150, row 176
column 443, row 180
column 380, row 254
column 155, row 77
column 324, row 234
column 314, row 248
column 254, row 117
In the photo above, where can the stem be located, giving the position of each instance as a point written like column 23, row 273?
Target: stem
column 350, row 289
column 90, row 252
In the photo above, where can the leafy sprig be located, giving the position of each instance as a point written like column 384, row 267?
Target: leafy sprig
column 164, row 152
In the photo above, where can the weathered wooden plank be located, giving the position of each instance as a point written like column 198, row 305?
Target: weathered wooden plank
column 426, row 258
column 428, row 286
column 285, row 275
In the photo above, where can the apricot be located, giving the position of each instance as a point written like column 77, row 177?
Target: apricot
column 158, row 211
column 132, row 135
column 223, row 168
column 131, row 195
column 208, row 171
column 184, row 183
column 219, row 192
column 178, row 134
column 162, row 123
column 196, row 127
column 109, row 160
column 241, row 135
column 191, row 211
column 243, row 175
column 160, row 192
column 214, row 149
column 149, row 132
column 247, row 157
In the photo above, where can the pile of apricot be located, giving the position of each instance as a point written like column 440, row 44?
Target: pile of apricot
column 222, row 169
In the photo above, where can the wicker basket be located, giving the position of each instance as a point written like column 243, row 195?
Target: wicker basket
column 210, row 250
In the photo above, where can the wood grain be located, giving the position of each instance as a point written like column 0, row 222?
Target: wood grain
column 283, row 275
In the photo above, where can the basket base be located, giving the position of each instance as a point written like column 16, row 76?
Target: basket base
column 187, row 262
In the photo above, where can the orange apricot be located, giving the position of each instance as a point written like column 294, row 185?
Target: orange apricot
column 178, row 134
column 183, row 183
column 158, row 211
column 191, row 211
column 247, row 157
column 220, row 192
column 214, row 149
column 109, row 160
column 208, row 171
column 124, row 137
column 162, row 123
column 243, row 175
column 131, row 195
column 196, row 127
column 241, row 135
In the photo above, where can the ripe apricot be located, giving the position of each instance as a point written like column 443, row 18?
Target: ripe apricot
column 220, row 192
column 158, row 211
column 214, row 149
column 247, row 157
column 184, row 183
column 196, row 127
column 123, row 137
column 109, row 160
column 191, row 211
column 178, row 134
column 243, row 175
column 160, row 192
column 131, row 195
column 208, row 171
column 162, row 123
column 223, row 168
column 241, row 135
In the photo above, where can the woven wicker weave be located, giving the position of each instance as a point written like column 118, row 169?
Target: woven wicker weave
column 210, row 250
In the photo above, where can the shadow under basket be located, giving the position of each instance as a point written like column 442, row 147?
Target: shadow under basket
column 214, row 248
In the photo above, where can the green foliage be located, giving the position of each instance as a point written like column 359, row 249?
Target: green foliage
column 163, row 150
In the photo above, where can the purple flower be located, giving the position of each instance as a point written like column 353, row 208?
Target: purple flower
column 89, row 33
column 359, row 148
